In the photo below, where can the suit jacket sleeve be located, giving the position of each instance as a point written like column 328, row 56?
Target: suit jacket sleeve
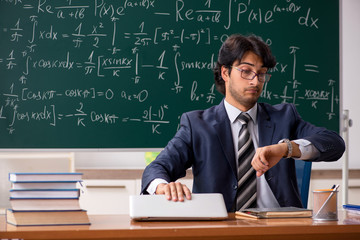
column 330, row 145
column 172, row 163
column 283, row 121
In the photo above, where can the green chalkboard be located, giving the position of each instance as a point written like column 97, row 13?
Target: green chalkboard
column 119, row 74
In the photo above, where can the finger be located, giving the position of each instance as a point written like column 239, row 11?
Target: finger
column 187, row 192
column 256, row 163
column 259, row 166
column 263, row 161
column 173, row 191
column 259, row 173
column 179, row 191
column 262, row 157
column 263, row 168
column 166, row 191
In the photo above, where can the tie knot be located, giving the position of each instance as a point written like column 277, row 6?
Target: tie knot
column 244, row 118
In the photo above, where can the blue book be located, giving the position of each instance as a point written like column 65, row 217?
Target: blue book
column 45, row 177
column 352, row 208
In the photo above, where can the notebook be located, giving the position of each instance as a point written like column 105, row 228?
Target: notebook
column 209, row 206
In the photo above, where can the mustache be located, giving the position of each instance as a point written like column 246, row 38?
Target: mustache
column 252, row 88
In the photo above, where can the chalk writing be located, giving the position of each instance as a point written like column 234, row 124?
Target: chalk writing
column 123, row 72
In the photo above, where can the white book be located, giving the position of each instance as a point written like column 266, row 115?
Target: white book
column 44, row 204
column 44, row 177
column 44, row 193
column 43, row 185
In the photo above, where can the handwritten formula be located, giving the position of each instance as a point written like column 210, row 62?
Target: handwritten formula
column 119, row 74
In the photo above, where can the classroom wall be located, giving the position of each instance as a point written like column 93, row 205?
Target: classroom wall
column 350, row 74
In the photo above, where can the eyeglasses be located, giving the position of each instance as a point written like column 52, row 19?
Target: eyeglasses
column 250, row 75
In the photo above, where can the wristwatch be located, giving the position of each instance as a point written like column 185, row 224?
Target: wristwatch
column 289, row 145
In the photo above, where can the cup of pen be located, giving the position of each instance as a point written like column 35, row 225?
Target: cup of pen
column 325, row 205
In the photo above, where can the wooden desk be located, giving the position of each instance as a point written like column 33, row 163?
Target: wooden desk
column 121, row 227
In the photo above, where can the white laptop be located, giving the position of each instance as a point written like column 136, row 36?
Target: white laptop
column 156, row 207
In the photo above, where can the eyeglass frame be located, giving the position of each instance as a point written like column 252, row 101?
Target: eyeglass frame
column 255, row 75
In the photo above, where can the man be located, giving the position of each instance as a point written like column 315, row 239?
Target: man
column 211, row 141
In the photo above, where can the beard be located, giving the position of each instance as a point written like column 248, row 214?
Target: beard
column 242, row 98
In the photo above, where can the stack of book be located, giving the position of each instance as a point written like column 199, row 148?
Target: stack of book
column 45, row 199
column 352, row 214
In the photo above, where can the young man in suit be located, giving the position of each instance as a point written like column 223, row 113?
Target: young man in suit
column 208, row 139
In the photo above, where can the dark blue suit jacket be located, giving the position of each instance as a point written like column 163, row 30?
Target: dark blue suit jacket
column 204, row 142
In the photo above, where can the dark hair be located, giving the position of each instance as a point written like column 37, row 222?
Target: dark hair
column 234, row 48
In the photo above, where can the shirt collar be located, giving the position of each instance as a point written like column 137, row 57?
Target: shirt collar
column 234, row 112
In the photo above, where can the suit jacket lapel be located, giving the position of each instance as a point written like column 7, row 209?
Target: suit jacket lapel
column 265, row 127
column 223, row 129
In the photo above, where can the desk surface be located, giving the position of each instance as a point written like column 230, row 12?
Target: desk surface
column 122, row 227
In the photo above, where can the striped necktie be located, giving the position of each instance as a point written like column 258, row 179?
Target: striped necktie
column 246, row 193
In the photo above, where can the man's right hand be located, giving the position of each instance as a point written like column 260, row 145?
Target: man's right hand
column 174, row 191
